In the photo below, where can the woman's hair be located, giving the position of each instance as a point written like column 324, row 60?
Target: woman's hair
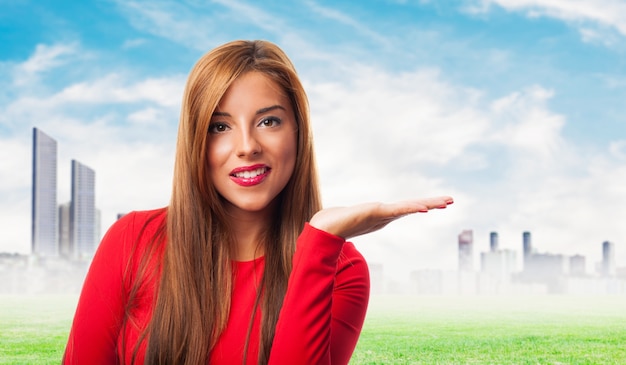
column 193, row 298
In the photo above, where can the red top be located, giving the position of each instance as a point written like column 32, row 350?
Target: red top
column 319, row 323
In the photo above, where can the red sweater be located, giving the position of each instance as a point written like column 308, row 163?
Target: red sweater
column 319, row 323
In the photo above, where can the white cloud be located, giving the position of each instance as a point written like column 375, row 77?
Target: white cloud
column 172, row 20
column 45, row 58
column 618, row 149
column 133, row 43
column 113, row 88
column 603, row 14
column 98, row 96
column 194, row 24
column 342, row 18
column 527, row 124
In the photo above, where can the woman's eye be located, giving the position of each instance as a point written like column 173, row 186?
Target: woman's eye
column 270, row 122
column 217, row 128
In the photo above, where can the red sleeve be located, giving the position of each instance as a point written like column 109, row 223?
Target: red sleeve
column 325, row 303
column 100, row 309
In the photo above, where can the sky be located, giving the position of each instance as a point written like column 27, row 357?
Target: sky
column 513, row 107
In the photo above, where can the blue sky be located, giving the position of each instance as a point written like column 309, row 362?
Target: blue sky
column 514, row 107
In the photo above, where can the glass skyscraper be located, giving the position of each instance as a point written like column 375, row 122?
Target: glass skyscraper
column 83, row 211
column 44, row 196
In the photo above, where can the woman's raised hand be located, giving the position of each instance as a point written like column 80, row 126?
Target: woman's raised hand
column 356, row 220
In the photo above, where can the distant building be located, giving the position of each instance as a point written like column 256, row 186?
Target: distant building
column 527, row 245
column 577, row 265
column 608, row 258
column 65, row 244
column 466, row 248
column 493, row 241
column 44, row 195
column 543, row 268
column 83, row 211
column 496, row 265
column 500, row 264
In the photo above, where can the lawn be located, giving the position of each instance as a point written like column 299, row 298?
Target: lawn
column 398, row 330
column 494, row 330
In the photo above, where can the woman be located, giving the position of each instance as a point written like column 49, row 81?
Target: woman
column 243, row 266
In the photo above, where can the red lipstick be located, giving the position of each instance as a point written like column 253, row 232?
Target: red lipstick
column 250, row 175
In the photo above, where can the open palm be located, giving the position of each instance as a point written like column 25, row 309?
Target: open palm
column 356, row 220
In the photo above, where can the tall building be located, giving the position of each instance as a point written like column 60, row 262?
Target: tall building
column 83, row 211
column 493, row 241
column 608, row 258
column 466, row 256
column 44, row 196
column 528, row 248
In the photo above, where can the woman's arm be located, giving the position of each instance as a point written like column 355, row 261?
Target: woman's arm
column 325, row 303
column 328, row 291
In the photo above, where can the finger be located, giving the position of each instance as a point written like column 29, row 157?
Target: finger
column 437, row 202
column 402, row 208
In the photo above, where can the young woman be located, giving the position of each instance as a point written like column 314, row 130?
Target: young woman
column 243, row 266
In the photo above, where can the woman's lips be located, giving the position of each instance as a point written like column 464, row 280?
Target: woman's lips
column 250, row 175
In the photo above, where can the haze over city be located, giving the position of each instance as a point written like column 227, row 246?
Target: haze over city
column 514, row 108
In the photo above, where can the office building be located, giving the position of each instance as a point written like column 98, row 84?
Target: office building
column 527, row 245
column 577, row 265
column 44, row 196
column 500, row 264
column 608, row 258
column 83, row 211
column 493, row 241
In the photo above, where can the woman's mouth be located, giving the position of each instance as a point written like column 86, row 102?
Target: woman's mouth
column 249, row 176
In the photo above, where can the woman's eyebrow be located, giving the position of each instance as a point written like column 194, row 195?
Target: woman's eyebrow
column 269, row 109
column 260, row 111
column 220, row 114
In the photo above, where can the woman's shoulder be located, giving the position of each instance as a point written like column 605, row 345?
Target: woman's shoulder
column 135, row 227
column 141, row 220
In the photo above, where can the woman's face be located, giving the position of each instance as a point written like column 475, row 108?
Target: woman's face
column 252, row 143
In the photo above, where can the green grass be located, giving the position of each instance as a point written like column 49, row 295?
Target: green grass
column 34, row 329
column 398, row 330
column 494, row 330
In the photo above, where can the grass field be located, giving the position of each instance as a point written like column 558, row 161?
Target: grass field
column 399, row 330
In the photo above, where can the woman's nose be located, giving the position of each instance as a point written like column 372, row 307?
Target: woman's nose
column 248, row 144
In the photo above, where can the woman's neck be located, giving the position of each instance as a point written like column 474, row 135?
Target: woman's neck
column 249, row 230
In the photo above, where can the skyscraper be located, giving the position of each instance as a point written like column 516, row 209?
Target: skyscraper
column 527, row 246
column 83, row 211
column 466, row 257
column 608, row 258
column 493, row 241
column 44, row 196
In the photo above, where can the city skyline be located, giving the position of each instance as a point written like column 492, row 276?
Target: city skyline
column 68, row 230
column 514, row 108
